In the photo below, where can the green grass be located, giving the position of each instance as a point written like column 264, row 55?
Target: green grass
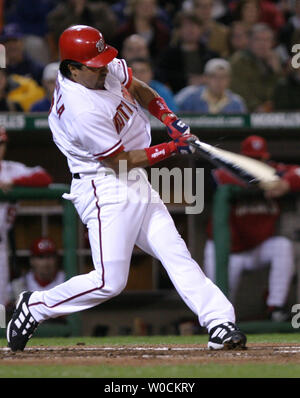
column 218, row 370
column 137, row 340
column 182, row 371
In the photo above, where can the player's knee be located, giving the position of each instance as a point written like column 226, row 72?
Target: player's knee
column 118, row 288
column 114, row 288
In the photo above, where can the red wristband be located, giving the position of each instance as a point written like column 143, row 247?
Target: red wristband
column 158, row 107
column 160, row 152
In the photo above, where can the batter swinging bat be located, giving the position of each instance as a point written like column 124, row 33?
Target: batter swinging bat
column 248, row 170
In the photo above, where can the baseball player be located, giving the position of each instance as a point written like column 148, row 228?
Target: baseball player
column 97, row 121
column 13, row 174
column 44, row 273
column 254, row 243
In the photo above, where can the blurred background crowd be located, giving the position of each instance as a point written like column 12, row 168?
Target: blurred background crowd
column 204, row 56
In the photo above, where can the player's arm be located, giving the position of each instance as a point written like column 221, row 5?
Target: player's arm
column 149, row 156
column 179, row 131
column 156, row 105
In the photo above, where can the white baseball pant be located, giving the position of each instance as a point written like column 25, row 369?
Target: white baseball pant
column 115, row 224
column 4, row 271
column 276, row 251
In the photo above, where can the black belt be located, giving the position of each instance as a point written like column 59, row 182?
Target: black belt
column 94, row 174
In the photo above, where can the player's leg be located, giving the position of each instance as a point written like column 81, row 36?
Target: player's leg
column 160, row 238
column 4, row 273
column 113, row 228
column 279, row 253
column 113, row 222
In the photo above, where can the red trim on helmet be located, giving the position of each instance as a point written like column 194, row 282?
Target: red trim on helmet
column 102, row 59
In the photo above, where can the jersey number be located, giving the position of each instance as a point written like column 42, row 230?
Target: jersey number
column 122, row 116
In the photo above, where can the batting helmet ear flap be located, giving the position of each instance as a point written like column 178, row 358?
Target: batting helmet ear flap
column 86, row 45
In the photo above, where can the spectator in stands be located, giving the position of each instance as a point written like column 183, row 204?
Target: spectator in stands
column 290, row 32
column 17, row 61
column 252, row 226
column 182, row 63
column 13, row 174
column 256, row 70
column 214, row 34
column 247, row 12
column 135, row 46
column 238, row 37
column 79, row 12
column 6, row 105
column 142, row 70
column 213, row 97
column 18, row 93
column 31, row 15
column 251, row 12
column 49, row 79
column 122, row 9
column 24, row 91
column 143, row 20
column 287, row 92
column 44, row 270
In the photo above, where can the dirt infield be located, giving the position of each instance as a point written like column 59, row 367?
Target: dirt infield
column 151, row 355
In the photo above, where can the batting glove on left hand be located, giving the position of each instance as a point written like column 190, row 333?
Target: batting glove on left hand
column 176, row 127
column 182, row 143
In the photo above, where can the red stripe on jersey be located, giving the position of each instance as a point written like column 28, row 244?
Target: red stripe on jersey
column 120, row 149
column 100, row 233
column 108, row 150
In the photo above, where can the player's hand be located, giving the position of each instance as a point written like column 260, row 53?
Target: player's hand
column 182, row 143
column 175, row 126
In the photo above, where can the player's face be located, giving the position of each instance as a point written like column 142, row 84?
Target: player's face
column 93, row 78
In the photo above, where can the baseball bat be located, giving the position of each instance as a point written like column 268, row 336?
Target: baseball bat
column 246, row 169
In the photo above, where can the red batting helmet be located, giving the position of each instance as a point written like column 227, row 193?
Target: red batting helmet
column 86, row 45
column 43, row 247
column 255, row 147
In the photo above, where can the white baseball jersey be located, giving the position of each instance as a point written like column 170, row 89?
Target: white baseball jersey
column 89, row 125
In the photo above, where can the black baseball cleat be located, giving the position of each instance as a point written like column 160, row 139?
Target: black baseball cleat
column 226, row 336
column 22, row 324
